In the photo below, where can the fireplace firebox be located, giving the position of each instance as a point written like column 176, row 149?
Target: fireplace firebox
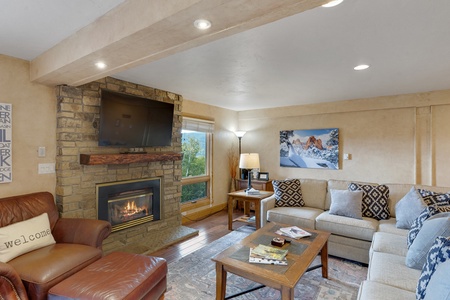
column 129, row 203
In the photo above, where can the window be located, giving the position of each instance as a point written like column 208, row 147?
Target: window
column 196, row 143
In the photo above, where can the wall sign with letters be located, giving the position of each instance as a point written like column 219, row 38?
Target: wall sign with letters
column 5, row 142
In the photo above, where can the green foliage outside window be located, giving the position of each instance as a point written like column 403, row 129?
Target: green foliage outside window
column 193, row 164
column 192, row 192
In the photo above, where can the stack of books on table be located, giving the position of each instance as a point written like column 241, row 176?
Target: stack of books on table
column 252, row 191
column 263, row 254
column 293, row 232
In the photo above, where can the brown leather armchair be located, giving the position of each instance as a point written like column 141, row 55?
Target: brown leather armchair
column 78, row 244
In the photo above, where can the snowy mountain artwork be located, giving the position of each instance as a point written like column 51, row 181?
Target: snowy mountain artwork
column 312, row 148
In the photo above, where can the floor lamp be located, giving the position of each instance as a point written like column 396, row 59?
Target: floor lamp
column 249, row 161
column 240, row 134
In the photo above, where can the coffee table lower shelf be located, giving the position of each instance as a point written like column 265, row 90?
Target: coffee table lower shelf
column 263, row 286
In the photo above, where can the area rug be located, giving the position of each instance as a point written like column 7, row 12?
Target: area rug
column 193, row 277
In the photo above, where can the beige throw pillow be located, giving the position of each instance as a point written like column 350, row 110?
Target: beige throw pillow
column 22, row 237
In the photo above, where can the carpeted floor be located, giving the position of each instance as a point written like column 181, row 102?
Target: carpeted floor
column 194, row 277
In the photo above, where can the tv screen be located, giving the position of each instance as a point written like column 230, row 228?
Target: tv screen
column 131, row 121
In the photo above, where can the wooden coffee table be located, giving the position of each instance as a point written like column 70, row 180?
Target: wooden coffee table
column 301, row 254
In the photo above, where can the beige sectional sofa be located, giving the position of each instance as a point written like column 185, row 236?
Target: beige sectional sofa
column 388, row 277
column 378, row 243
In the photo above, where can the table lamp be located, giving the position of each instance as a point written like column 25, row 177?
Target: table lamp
column 249, row 161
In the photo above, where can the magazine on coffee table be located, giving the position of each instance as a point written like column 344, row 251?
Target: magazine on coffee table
column 257, row 259
column 293, row 232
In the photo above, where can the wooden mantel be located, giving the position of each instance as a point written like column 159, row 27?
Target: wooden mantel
column 128, row 158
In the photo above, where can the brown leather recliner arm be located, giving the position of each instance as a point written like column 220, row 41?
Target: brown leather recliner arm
column 11, row 286
column 81, row 231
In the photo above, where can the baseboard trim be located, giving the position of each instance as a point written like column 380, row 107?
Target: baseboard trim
column 190, row 216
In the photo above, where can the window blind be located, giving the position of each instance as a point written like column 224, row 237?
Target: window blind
column 198, row 125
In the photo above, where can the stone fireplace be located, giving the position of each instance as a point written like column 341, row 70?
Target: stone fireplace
column 129, row 203
column 81, row 165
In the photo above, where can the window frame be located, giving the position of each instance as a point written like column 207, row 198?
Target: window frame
column 206, row 201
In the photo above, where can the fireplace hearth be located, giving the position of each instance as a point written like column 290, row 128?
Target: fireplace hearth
column 129, row 203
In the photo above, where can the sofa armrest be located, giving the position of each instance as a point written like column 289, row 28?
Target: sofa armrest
column 81, row 231
column 11, row 286
column 266, row 204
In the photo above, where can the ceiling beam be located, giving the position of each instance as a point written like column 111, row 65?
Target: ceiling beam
column 141, row 31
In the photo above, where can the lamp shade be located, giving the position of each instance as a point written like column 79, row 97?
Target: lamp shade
column 239, row 133
column 249, row 161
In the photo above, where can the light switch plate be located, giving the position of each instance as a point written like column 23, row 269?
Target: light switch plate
column 48, row 168
column 41, row 152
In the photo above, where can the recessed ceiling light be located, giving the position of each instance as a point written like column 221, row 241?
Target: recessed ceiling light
column 100, row 65
column 202, row 24
column 332, row 3
column 361, row 67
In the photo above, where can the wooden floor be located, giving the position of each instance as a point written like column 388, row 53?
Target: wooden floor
column 210, row 229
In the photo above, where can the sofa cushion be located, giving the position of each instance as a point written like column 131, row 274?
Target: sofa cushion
column 433, row 198
column 431, row 229
column 428, row 212
column 409, row 208
column 346, row 203
column 390, row 269
column 43, row 268
column 389, row 243
column 22, row 237
column 439, row 253
column 303, row 217
column 288, row 193
column 389, row 226
column 349, row 227
column 314, row 192
column 374, row 201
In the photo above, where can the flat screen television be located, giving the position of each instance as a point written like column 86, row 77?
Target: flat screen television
column 131, row 121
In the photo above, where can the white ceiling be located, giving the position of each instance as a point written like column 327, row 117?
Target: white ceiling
column 302, row 59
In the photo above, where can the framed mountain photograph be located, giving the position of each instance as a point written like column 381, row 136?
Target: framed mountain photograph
column 310, row 148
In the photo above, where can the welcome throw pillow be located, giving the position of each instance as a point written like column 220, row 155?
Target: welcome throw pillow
column 22, row 237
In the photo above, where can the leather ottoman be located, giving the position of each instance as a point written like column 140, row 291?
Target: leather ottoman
column 118, row 275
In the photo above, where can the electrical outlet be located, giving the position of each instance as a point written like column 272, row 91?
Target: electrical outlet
column 48, row 168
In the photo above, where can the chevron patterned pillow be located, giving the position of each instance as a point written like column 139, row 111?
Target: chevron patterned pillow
column 288, row 193
column 438, row 254
column 374, row 200
column 427, row 213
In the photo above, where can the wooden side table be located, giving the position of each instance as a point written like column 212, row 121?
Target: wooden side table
column 248, row 199
column 261, row 185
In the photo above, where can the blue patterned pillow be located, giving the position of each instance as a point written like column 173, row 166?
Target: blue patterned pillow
column 374, row 200
column 439, row 253
column 433, row 198
column 428, row 212
column 288, row 193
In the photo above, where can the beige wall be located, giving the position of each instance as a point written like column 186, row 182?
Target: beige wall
column 397, row 139
column 34, row 125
